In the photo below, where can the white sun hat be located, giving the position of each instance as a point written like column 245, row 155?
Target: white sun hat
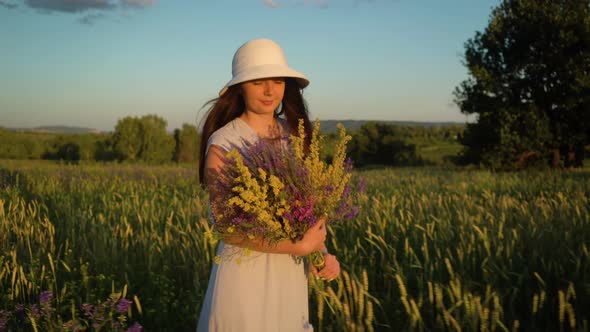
column 261, row 58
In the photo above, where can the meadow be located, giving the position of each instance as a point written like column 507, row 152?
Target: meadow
column 431, row 249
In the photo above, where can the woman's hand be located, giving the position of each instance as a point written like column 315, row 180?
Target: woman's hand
column 313, row 239
column 330, row 271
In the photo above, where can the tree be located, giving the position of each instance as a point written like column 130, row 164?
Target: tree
column 143, row 139
column 186, row 144
column 529, row 83
column 104, row 149
column 157, row 146
column 127, row 139
column 380, row 144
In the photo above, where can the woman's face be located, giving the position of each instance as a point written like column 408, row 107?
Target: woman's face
column 264, row 95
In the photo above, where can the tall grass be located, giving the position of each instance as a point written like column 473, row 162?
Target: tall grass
column 475, row 250
column 431, row 249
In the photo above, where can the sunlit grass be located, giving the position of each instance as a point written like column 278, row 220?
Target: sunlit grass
column 431, row 249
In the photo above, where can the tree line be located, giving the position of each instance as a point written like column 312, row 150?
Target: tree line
column 377, row 143
column 144, row 139
column 135, row 139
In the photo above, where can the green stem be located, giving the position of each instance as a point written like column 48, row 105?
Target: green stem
column 317, row 259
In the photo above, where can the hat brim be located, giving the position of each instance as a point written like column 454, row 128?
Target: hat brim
column 266, row 71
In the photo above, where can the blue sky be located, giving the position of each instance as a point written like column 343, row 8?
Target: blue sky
column 88, row 63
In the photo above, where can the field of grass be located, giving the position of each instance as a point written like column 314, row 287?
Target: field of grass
column 437, row 152
column 432, row 249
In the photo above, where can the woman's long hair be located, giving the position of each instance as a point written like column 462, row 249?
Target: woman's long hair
column 231, row 105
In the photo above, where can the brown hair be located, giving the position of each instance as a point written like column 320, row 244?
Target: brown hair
column 231, row 105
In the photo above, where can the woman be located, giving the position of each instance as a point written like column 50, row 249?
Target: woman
column 267, row 290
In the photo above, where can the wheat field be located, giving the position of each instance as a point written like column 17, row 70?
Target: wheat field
column 431, row 249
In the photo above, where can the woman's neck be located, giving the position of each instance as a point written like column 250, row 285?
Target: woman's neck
column 265, row 125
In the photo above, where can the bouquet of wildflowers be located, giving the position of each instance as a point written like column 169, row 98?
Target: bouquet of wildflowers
column 276, row 190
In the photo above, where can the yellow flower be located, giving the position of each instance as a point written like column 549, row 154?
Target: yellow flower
column 298, row 141
column 262, row 174
column 276, row 185
column 288, row 229
column 248, row 196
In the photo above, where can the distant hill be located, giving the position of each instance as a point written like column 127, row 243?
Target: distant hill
column 57, row 129
column 329, row 126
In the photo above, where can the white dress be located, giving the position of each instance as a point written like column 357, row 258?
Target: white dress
column 263, row 292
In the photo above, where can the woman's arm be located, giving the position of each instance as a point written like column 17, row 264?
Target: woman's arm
column 312, row 240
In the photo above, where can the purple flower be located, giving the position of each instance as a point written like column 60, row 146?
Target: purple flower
column 88, row 310
column 346, row 211
column 353, row 212
column 123, row 305
column 301, row 172
column 45, row 297
column 35, row 310
column 19, row 309
column 301, row 213
column 45, row 301
column 19, row 312
column 347, row 191
column 348, row 165
column 242, row 217
column 4, row 316
column 135, row 327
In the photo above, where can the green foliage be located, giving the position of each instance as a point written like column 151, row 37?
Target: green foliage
column 430, row 250
column 529, row 84
column 135, row 139
column 187, row 144
column 435, row 144
column 157, row 146
column 127, row 139
column 19, row 146
column 507, row 139
column 76, row 147
column 143, row 139
column 67, row 147
column 380, row 144
column 84, row 231
column 109, row 315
